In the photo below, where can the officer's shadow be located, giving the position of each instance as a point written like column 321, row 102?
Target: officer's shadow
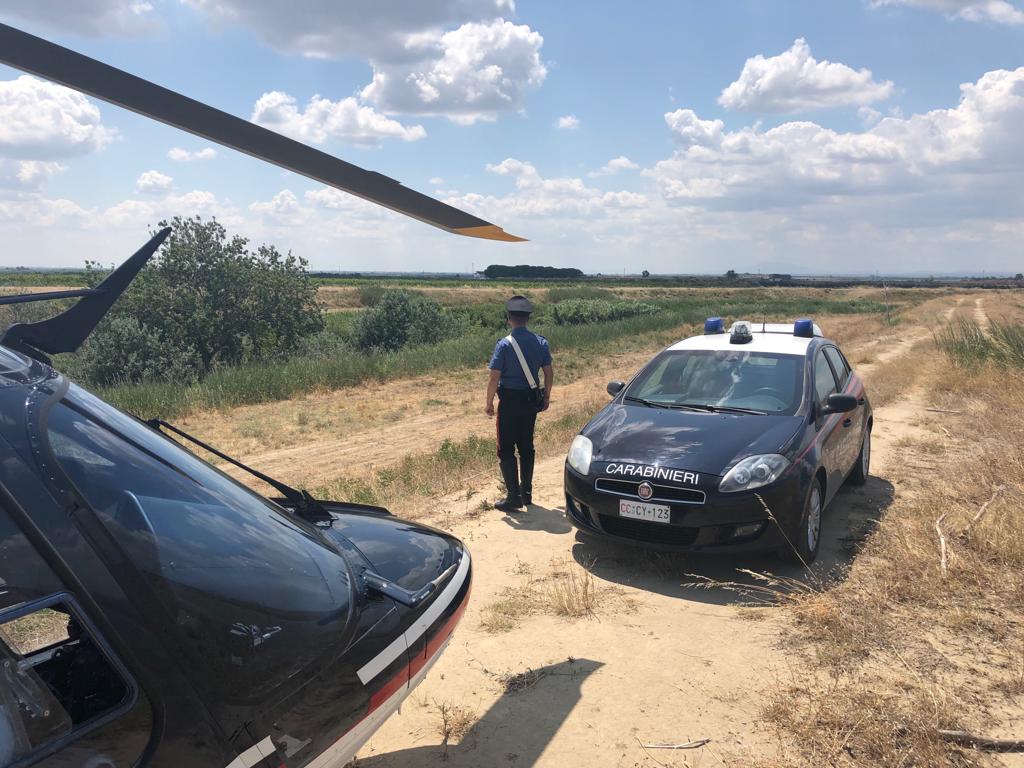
column 538, row 518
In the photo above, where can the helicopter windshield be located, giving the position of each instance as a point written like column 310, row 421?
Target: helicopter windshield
column 234, row 570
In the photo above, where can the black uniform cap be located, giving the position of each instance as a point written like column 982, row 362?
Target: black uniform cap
column 519, row 304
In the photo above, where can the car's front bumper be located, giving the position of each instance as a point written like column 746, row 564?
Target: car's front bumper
column 724, row 522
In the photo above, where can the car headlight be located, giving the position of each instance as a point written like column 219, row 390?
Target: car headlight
column 754, row 472
column 580, row 453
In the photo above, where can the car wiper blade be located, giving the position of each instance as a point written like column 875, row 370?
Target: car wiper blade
column 721, row 408
column 648, row 403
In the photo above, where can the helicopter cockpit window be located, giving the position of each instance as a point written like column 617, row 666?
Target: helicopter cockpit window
column 235, row 572
column 54, row 679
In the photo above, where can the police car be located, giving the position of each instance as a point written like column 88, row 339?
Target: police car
column 729, row 440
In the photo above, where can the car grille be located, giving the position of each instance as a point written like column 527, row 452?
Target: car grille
column 653, row 533
column 661, row 492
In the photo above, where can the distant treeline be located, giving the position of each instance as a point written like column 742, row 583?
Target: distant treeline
column 525, row 270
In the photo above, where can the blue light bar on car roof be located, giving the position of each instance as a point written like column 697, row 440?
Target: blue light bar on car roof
column 804, row 328
column 714, row 325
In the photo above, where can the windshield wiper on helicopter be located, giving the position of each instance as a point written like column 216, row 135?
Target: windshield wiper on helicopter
column 304, row 504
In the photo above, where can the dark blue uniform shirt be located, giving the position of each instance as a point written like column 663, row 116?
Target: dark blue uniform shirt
column 535, row 350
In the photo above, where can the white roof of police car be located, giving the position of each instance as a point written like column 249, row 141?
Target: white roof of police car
column 778, row 343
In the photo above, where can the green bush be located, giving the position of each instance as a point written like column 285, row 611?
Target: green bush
column 586, row 311
column 402, row 319
column 370, row 295
column 124, row 350
column 967, row 344
column 556, row 295
column 205, row 301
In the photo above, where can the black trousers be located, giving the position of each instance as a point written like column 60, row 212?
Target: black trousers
column 517, row 418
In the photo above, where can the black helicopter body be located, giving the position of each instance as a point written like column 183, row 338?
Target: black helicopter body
column 201, row 624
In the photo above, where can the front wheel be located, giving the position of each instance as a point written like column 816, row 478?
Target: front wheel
column 805, row 540
column 859, row 475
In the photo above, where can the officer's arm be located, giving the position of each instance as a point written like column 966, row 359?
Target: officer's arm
column 492, row 390
column 549, row 381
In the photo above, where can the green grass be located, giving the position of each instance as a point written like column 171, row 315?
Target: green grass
column 447, row 469
column 967, row 344
column 278, row 380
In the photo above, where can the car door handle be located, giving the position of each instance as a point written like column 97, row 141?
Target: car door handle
column 847, row 422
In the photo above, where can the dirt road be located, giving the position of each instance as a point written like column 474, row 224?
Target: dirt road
column 659, row 660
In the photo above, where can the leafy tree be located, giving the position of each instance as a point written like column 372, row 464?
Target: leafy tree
column 526, row 270
column 206, row 299
column 401, row 318
column 645, row 273
column 731, row 274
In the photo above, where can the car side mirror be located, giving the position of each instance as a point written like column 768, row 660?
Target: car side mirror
column 840, row 404
column 614, row 387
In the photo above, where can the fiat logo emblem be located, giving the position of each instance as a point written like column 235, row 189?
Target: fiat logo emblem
column 645, row 491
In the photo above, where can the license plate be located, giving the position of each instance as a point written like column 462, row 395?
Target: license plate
column 638, row 510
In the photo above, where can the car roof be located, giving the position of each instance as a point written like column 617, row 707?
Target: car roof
column 776, row 338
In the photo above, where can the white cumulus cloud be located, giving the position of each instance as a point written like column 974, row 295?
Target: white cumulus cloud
column 326, row 29
column 91, row 18
column 795, row 81
column 459, row 58
column 946, row 157
column 345, row 120
column 997, row 11
column 43, row 121
column 179, row 155
column 153, row 183
column 616, row 164
column 567, row 123
column 471, row 73
column 283, row 209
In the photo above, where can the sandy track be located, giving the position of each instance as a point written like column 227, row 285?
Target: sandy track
column 402, row 424
column 664, row 662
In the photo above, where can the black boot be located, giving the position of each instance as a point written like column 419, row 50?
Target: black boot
column 513, row 501
column 526, row 477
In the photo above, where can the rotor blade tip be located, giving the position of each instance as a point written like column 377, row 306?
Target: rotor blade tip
column 490, row 232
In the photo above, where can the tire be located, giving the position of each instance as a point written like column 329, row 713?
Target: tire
column 859, row 473
column 805, row 540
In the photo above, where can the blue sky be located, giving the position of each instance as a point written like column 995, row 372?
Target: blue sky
column 840, row 136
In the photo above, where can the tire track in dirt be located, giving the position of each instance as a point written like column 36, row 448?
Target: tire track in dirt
column 681, row 664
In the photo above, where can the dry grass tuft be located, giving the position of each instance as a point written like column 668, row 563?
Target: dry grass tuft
column 572, row 591
column 455, row 723
column 510, row 607
column 905, row 646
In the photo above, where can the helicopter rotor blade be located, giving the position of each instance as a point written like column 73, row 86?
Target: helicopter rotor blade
column 66, row 332
column 61, row 65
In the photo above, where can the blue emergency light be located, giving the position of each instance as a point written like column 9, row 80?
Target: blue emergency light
column 714, row 325
column 804, row 328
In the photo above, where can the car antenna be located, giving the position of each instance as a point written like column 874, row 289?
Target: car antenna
column 306, row 506
column 67, row 331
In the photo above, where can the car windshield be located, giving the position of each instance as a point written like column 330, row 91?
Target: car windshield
column 758, row 381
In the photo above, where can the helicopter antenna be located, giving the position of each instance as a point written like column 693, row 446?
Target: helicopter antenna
column 61, row 65
column 66, row 332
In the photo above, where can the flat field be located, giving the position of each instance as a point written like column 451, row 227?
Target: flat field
column 575, row 652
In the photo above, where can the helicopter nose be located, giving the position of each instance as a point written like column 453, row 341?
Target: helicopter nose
column 431, row 630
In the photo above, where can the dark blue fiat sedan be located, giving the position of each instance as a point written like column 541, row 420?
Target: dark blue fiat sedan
column 733, row 439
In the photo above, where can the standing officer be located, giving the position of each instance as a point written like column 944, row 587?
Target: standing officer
column 517, row 360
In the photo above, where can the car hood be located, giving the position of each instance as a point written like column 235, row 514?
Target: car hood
column 700, row 442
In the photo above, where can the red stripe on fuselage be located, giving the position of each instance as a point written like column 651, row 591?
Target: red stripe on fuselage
column 403, row 676
column 434, row 643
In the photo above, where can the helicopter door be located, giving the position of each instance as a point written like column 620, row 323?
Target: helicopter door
column 65, row 699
